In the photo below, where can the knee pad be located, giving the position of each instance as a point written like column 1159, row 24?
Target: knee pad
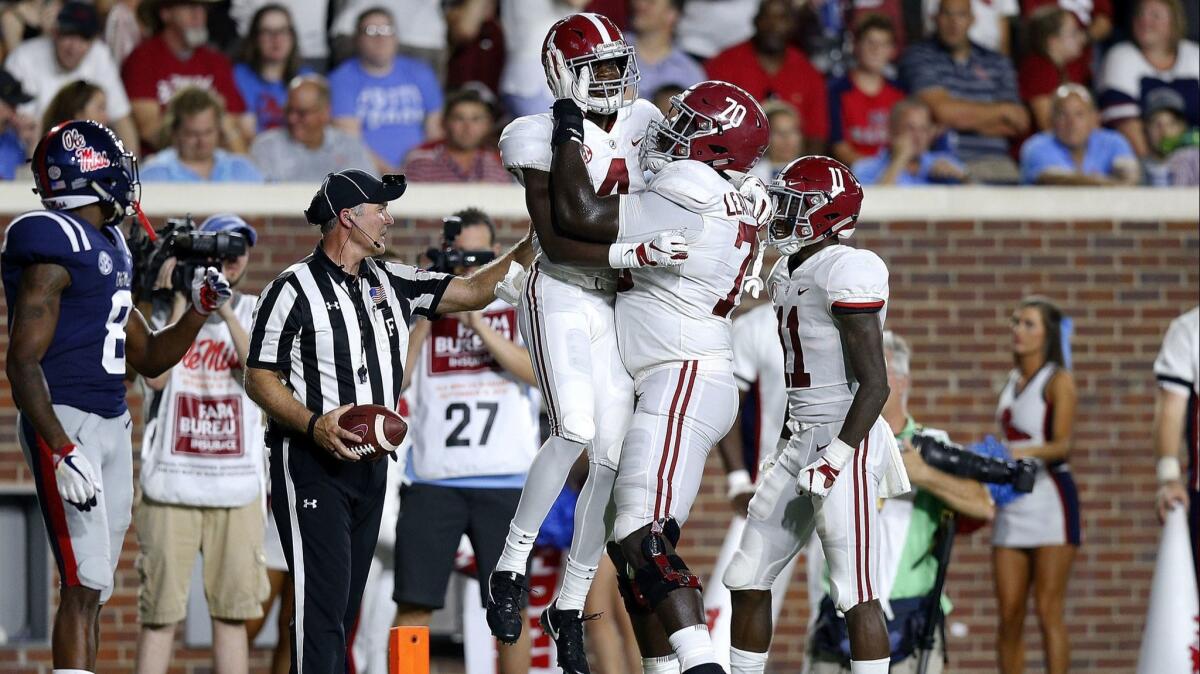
column 664, row 572
column 578, row 427
column 96, row 573
column 635, row 603
column 748, row 570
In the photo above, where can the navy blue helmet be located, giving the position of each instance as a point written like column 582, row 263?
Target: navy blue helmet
column 83, row 162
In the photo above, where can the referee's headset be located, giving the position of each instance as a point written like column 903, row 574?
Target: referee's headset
column 325, row 191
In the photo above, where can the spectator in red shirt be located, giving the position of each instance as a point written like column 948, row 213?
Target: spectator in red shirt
column 861, row 102
column 177, row 56
column 768, row 67
column 1095, row 18
column 1056, row 40
column 465, row 155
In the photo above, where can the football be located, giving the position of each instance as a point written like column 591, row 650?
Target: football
column 380, row 429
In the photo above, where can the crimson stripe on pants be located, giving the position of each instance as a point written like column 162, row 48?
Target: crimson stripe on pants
column 868, row 515
column 662, row 464
column 858, row 572
column 687, row 398
column 52, row 505
column 535, row 345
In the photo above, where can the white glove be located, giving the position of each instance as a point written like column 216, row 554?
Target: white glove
column 817, row 478
column 738, row 483
column 566, row 84
column 210, row 290
column 754, row 191
column 512, row 286
column 668, row 249
column 76, row 482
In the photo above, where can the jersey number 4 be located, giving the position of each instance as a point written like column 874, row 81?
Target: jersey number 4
column 789, row 337
column 617, row 179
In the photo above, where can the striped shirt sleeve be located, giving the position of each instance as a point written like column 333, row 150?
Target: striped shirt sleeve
column 421, row 289
column 277, row 321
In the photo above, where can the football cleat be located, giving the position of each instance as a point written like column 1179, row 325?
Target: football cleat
column 506, row 594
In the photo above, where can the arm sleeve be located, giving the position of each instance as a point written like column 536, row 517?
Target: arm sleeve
column 525, row 143
column 421, row 289
column 1006, row 88
column 341, row 92
column 1120, row 84
column 278, row 318
column 44, row 238
column 431, row 92
column 858, row 283
column 1174, row 367
column 646, row 214
column 918, row 71
column 1035, row 159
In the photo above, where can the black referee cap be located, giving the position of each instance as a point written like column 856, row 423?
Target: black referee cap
column 350, row 188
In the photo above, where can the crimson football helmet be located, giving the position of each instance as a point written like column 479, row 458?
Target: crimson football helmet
column 591, row 41
column 815, row 198
column 713, row 122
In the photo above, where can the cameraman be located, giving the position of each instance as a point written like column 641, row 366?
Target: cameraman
column 907, row 527
column 474, row 429
column 202, row 478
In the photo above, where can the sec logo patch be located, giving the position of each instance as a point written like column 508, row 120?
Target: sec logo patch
column 105, row 263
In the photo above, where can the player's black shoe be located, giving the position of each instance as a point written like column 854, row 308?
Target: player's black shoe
column 506, row 592
column 566, row 628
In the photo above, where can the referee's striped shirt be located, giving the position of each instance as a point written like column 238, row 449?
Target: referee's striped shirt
column 341, row 339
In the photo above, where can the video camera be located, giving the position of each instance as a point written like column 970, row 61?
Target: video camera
column 447, row 259
column 951, row 458
column 191, row 248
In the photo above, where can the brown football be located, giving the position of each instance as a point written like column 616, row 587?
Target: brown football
column 381, row 430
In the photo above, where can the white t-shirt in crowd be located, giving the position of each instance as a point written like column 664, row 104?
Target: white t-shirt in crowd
column 708, row 27
column 525, row 24
column 34, row 64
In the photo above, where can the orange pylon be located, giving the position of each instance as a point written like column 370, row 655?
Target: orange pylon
column 408, row 650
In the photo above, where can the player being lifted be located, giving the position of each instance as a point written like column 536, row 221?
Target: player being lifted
column 567, row 321
column 674, row 332
column 830, row 301
column 72, row 328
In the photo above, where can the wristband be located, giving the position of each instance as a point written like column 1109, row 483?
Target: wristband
column 64, row 450
column 738, row 482
column 619, row 255
column 1168, row 469
column 311, row 424
column 838, row 453
column 568, row 123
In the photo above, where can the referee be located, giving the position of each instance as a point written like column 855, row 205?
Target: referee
column 331, row 332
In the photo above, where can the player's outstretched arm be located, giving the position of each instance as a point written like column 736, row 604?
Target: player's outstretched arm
column 863, row 337
column 151, row 352
column 477, row 289
column 35, row 318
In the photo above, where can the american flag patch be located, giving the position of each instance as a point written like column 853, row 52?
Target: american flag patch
column 378, row 296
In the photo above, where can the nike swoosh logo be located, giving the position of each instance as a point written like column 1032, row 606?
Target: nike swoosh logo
column 802, row 291
column 637, row 141
column 71, row 463
column 821, row 447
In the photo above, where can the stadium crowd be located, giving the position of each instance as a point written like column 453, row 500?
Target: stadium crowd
column 905, row 92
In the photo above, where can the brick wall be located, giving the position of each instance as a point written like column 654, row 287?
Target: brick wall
column 953, row 286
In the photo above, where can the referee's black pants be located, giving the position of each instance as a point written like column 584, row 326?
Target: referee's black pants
column 328, row 514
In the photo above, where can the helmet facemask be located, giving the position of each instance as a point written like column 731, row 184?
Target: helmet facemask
column 614, row 77
column 671, row 139
column 791, row 229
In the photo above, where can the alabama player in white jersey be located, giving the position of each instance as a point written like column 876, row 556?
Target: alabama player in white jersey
column 674, row 332
column 1176, row 419
column 830, row 301
column 567, row 320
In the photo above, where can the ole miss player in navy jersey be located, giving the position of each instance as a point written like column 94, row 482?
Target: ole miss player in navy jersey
column 72, row 326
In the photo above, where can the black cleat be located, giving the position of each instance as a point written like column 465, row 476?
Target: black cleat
column 506, row 592
column 566, row 628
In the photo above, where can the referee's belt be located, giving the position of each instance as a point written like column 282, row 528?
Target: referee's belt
column 589, row 281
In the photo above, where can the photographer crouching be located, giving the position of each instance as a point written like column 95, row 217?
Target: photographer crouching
column 908, row 526
column 203, row 469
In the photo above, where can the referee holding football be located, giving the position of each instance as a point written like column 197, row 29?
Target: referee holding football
column 331, row 332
